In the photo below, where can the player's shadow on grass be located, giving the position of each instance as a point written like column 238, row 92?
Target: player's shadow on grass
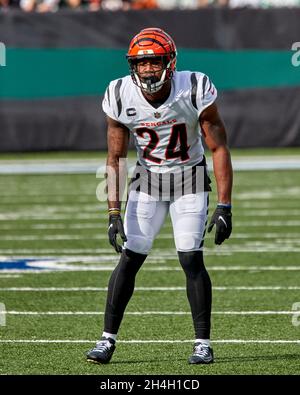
column 250, row 358
column 218, row 360
column 153, row 361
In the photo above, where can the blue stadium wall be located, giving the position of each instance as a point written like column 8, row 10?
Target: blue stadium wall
column 58, row 66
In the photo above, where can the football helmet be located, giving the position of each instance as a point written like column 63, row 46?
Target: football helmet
column 152, row 43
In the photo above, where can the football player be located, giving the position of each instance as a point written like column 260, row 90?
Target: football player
column 168, row 112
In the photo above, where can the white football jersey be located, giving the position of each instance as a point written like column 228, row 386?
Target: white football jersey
column 170, row 135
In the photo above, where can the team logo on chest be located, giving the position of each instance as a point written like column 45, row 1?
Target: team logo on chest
column 157, row 114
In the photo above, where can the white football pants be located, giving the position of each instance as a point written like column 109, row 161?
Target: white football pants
column 144, row 217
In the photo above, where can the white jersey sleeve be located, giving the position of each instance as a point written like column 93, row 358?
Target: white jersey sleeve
column 109, row 103
column 206, row 93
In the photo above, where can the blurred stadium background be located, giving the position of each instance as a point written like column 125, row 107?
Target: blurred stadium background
column 55, row 259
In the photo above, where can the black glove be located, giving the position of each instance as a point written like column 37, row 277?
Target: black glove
column 222, row 219
column 116, row 226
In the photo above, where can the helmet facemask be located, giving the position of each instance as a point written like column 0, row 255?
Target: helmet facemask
column 155, row 81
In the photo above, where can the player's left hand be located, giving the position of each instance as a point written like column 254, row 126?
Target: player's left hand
column 222, row 219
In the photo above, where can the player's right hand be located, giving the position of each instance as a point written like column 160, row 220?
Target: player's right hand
column 115, row 226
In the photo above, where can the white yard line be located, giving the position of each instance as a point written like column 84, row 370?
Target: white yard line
column 62, row 206
column 100, row 212
column 103, row 225
column 62, row 237
column 274, row 236
column 150, row 341
column 53, row 207
column 31, row 216
column 36, row 216
column 98, row 289
column 139, row 313
column 259, row 205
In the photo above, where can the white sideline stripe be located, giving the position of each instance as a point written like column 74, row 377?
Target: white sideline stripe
column 154, row 269
column 70, row 236
column 91, row 166
column 268, row 312
column 217, row 341
column 96, row 289
column 108, row 255
column 224, row 250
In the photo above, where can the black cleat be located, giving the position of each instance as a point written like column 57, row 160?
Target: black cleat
column 202, row 354
column 103, row 351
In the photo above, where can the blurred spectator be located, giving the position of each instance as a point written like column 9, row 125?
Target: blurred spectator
column 263, row 3
column 143, row 4
column 206, row 3
column 94, row 5
column 111, row 5
column 116, row 5
column 221, row 3
column 4, row 3
column 73, row 3
column 39, row 6
column 188, row 4
column 171, row 4
column 27, row 5
column 244, row 3
column 280, row 3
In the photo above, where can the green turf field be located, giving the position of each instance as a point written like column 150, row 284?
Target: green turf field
column 54, row 316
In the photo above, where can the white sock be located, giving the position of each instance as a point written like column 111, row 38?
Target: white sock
column 111, row 335
column 205, row 342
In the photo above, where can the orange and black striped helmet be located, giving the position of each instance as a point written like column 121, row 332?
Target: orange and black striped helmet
column 149, row 43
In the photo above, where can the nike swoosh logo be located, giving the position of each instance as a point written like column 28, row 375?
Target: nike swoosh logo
column 222, row 219
column 110, row 226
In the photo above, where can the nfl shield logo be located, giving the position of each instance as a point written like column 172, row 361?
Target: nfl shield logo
column 157, row 115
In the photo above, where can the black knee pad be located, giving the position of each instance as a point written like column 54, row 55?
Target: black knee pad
column 130, row 261
column 191, row 262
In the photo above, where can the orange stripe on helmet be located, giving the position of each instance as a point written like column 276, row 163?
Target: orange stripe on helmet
column 153, row 40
